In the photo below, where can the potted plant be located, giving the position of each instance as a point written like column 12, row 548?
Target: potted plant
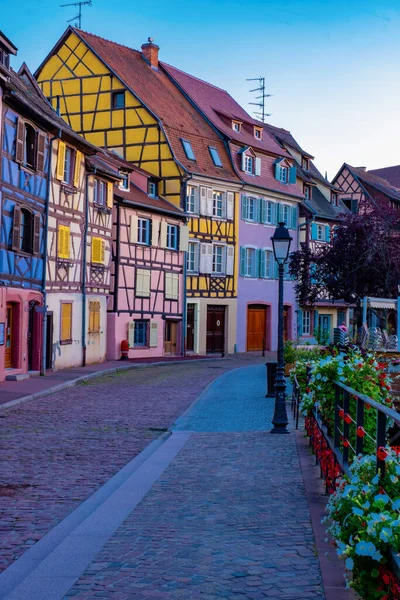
column 289, row 356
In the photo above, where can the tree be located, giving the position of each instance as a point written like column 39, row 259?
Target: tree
column 363, row 259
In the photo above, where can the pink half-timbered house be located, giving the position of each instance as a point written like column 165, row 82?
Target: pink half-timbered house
column 150, row 240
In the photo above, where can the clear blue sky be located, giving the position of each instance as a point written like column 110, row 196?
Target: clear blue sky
column 331, row 65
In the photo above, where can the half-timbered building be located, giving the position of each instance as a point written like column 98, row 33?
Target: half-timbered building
column 150, row 241
column 123, row 100
column 269, row 194
column 320, row 211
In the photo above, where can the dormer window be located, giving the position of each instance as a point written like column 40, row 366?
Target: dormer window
column 187, row 146
column 284, row 172
column 4, row 58
column 334, row 199
column 248, row 164
column 152, row 189
column 237, row 126
column 215, row 156
column 258, row 133
column 305, row 163
column 30, row 146
column 307, row 192
column 124, row 183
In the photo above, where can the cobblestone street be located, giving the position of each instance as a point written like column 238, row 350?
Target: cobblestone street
column 56, row 451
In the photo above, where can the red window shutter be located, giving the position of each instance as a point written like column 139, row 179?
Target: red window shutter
column 20, row 141
column 41, row 145
column 16, row 230
column 36, row 234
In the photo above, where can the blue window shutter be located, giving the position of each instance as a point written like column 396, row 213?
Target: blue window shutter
column 278, row 171
column 294, row 217
column 263, row 210
column 244, row 207
column 279, row 215
column 292, row 175
column 276, row 270
column 254, row 263
column 271, row 262
column 256, row 210
column 273, row 213
column 148, row 226
column 315, row 319
column 242, row 261
column 313, row 231
column 261, row 263
column 300, row 322
column 327, row 233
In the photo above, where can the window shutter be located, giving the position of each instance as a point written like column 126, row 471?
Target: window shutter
column 300, row 322
column 97, row 317
column 133, row 229
column 20, row 141
column 66, row 246
column 203, row 258
column 139, row 282
column 163, row 235
column 16, row 231
column 110, row 194
column 146, row 282
column 276, row 270
column 242, row 270
column 60, row 161
column 270, row 264
column 327, row 233
column 263, row 210
column 209, row 202
column 278, row 171
column 184, row 238
column 91, row 317
column 196, row 200
column 155, row 232
column 102, row 251
column 203, row 200
column 66, row 321
column 41, row 145
column 316, row 317
column 209, row 250
column 175, row 286
column 258, row 165
column 245, row 203
column 77, row 168
column 262, row 266
column 294, row 217
column 243, row 161
column 230, row 205
column 60, row 247
column 292, row 174
column 96, row 250
column 168, row 285
column 224, row 205
column 279, row 213
column 314, row 231
column 230, row 259
column 153, row 334
column 131, row 334
column 36, row 234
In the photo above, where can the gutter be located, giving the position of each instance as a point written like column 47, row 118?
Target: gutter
column 84, row 265
column 45, row 236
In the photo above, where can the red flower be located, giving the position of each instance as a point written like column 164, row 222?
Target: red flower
column 341, row 413
column 361, row 432
column 368, row 406
column 386, row 579
column 382, row 453
column 308, row 390
column 347, row 418
column 346, row 443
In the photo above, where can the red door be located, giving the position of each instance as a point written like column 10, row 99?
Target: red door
column 215, row 329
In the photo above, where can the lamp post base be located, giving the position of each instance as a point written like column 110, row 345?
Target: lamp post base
column 280, row 420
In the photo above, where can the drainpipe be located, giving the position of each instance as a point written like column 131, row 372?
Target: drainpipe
column 184, row 307
column 84, row 264
column 45, row 236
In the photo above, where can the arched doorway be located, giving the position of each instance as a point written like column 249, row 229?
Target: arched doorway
column 256, row 327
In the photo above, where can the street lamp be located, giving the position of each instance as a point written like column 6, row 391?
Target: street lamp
column 281, row 241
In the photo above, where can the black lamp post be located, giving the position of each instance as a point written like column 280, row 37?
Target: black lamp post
column 281, row 241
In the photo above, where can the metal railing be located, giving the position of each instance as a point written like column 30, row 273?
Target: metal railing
column 296, row 398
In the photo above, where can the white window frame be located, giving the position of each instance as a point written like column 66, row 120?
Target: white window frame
column 269, row 255
column 236, row 126
column 306, row 322
column 170, row 228
column 320, row 233
column 223, row 259
column 252, row 252
column 196, row 257
column 258, row 130
column 248, row 164
column 218, row 197
column 284, row 174
column 334, row 199
column 286, row 208
column 307, row 190
column 191, row 200
column 253, row 203
column 152, row 189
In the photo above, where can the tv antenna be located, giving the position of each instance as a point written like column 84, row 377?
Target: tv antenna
column 261, row 104
column 79, row 15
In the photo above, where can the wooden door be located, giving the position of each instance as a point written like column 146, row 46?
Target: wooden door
column 49, row 341
column 256, row 327
column 285, row 323
column 190, row 328
column 9, row 337
column 215, row 329
column 170, row 337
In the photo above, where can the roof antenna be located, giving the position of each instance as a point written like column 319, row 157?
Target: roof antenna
column 261, row 104
column 79, row 15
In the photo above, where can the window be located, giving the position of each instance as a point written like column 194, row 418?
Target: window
column 307, row 192
column 144, row 231
column 218, row 266
column 172, row 237
column 171, row 286
column 30, row 146
column 191, row 200
column 250, row 264
column 249, row 208
column 69, row 163
column 257, row 133
column 187, row 146
column 269, row 264
column 152, row 189
column 320, row 232
column 305, row 163
column 284, row 174
column 193, row 258
column 351, row 204
column 25, row 235
column 143, row 281
column 286, row 215
column 248, row 164
column 218, row 204
column 66, row 323
column 98, row 250
column 100, row 192
column 306, row 318
column 63, row 244
column 94, row 317
column 334, row 199
column 237, row 126
column 4, row 58
column 118, row 100
column 141, row 335
column 124, row 183
column 215, row 156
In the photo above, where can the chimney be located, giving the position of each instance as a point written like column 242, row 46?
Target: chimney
column 362, row 169
column 150, row 53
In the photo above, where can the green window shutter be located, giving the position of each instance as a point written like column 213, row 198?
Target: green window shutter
column 273, row 213
column 263, row 210
column 315, row 319
column 294, row 217
column 313, row 231
column 300, row 322
column 278, row 171
column 278, row 212
column 262, row 267
column 244, row 207
column 270, row 265
column 242, row 261
column 292, row 175
column 254, row 263
column 327, row 233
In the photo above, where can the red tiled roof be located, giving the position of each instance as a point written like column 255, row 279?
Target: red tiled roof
column 221, row 108
column 380, row 184
column 139, row 197
column 391, row 174
column 179, row 118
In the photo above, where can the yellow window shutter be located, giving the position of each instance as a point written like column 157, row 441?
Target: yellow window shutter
column 77, row 169
column 67, row 234
column 60, row 161
column 60, row 249
column 102, row 251
column 110, row 194
column 97, row 317
column 66, row 321
column 97, row 250
column 91, row 317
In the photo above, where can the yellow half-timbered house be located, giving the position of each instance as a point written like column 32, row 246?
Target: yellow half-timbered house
column 123, row 100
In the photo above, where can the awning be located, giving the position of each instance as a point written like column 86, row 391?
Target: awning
column 382, row 303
